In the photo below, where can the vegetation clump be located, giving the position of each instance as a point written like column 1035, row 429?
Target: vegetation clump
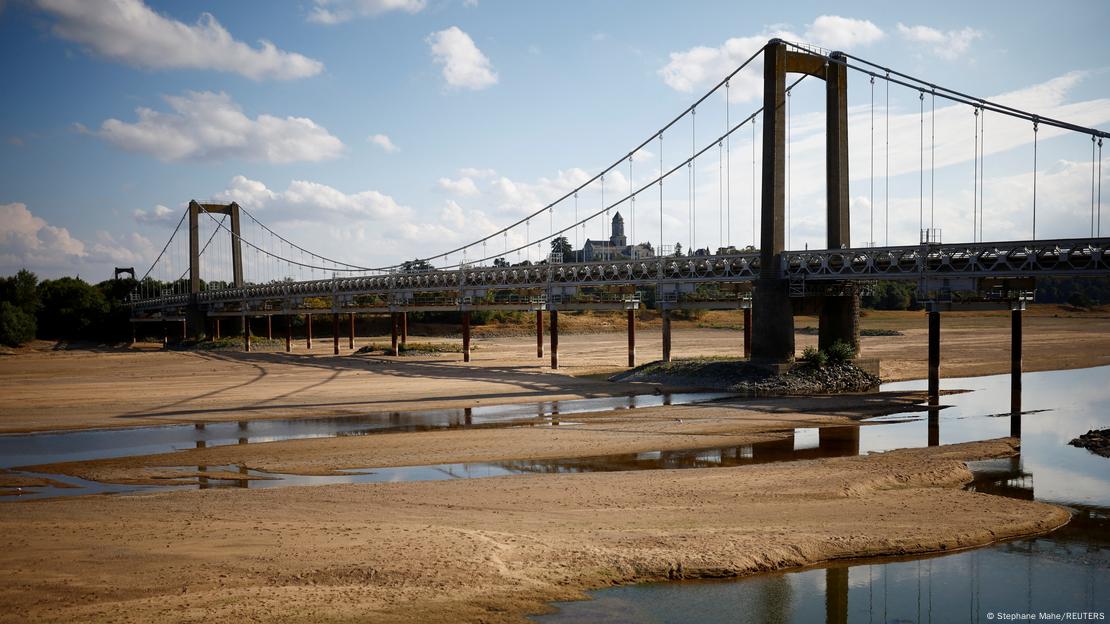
column 412, row 348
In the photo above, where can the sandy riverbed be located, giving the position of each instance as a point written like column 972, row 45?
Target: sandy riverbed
column 482, row 550
column 45, row 389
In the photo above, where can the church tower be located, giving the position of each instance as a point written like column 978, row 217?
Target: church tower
column 618, row 239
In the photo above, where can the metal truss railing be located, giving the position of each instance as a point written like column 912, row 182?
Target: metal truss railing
column 1077, row 256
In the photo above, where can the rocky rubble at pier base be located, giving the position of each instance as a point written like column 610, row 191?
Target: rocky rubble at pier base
column 744, row 378
column 1096, row 441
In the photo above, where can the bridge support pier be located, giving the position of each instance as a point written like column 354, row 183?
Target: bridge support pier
column 774, row 343
column 748, row 333
column 539, row 333
column 335, row 333
column 288, row 333
column 836, row 595
column 1015, row 370
column 165, row 334
column 217, row 328
column 246, row 334
column 934, row 356
column 308, row 331
column 666, row 334
column 839, row 320
column 466, row 335
column 269, row 327
column 934, row 425
column 631, row 339
column 351, row 334
column 404, row 328
column 184, row 330
column 554, row 339
column 134, row 334
column 393, row 331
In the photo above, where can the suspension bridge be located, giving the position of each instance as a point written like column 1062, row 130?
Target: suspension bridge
column 223, row 262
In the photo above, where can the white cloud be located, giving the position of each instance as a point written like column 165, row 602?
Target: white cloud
column 133, row 250
column 337, row 11
column 211, row 126
column 470, row 4
column 464, row 65
column 702, row 66
column 27, row 241
column 158, row 214
column 464, row 186
column 131, row 32
column 835, row 32
column 948, row 45
column 383, row 141
column 302, row 195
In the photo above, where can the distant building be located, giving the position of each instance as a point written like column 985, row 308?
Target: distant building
column 616, row 248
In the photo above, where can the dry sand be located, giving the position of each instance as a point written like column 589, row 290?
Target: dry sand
column 45, row 389
column 481, row 550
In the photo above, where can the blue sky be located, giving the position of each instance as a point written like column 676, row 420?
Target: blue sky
column 484, row 111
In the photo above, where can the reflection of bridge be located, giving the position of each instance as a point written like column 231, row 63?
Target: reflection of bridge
column 770, row 284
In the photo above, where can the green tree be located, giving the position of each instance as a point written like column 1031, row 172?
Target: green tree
column 560, row 245
column 21, row 290
column 71, row 308
column 16, row 326
column 416, row 266
column 678, row 250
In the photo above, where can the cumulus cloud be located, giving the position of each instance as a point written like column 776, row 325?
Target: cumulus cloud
column 464, row 65
column 158, row 214
column 29, row 241
column 338, row 11
column 463, row 186
column 303, row 195
column 702, row 66
column 383, row 141
column 948, row 45
column 206, row 126
column 129, row 31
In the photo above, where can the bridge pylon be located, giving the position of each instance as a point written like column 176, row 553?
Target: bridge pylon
column 773, row 306
column 196, row 319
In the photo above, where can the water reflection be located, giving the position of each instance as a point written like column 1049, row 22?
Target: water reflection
column 1067, row 571
column 63, row 446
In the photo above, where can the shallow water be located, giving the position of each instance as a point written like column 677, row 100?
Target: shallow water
column 62, row 446
column 1067, row 571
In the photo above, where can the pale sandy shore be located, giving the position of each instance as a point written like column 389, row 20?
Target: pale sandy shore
column 481, row 550
column 80, row 389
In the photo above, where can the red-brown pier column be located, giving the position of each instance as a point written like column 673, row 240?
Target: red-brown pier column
column 393, row 331
column 335, row 333
column 404, row 328
column 539, row 333
column 288, row 333
column 666, row 334
column 308, row 331
column 748, row 333
column 554, row 339
column 351, row 335
column 466, row 335
column 631, row 338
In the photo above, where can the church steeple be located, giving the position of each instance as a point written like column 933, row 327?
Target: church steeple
column 617, row 238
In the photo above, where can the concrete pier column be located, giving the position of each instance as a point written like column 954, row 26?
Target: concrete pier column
column 393, row 331
column 539, row 333
column 165, row 334
column 404, row 328
column 631, row 339
column 308, row 331
column 666, row 334
column 184, row 330
column 838, row 319
column 554, row 339
column 288, row 333
column 335, row 333
column 269, row 327
column 134, row 334
column 351, row 334
column 748, row 333
column 246, row 334
column 217, row 328
column 466, row 335
column 1015, row 372
column 934, row 356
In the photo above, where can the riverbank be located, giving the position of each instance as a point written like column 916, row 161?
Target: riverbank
column 46, row 389
column 485, row 549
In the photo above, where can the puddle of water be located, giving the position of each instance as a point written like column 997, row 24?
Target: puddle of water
column 44, row 448
column 1067, row 571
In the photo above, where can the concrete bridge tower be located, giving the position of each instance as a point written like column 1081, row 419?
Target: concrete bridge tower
column 773, row 306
